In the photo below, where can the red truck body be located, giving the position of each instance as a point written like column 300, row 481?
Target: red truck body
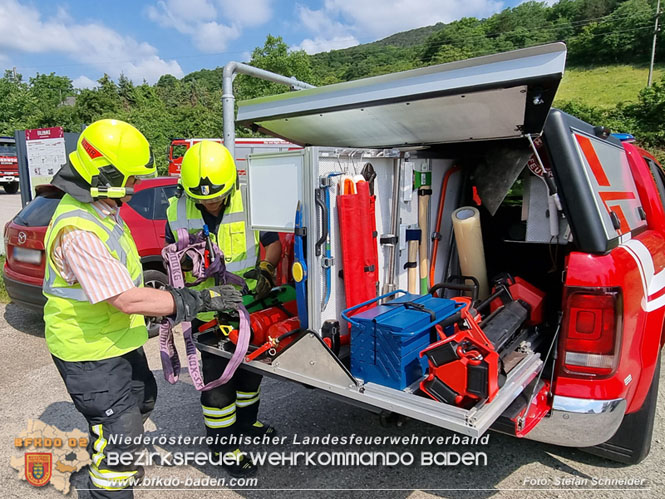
column 605, row 377
column 8, row 165
column 243, row 147
column 636, row 268
column 586, row 228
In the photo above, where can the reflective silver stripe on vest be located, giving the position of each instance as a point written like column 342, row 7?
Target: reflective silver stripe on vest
column 182, row 221
column 71, row 293
column 250, row 244
column 113, row 242
column 76, row 293
column 238, row 216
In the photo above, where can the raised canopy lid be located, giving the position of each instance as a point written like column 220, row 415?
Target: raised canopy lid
column 499, row 96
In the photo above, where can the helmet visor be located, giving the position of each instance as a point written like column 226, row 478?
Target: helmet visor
column 151, row 165
column 215, row 199
column 146, row 176
column 116, row 174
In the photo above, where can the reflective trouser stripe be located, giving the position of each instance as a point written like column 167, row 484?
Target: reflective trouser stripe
column 99, row 445
column 217, row 412
column 248, row 402
column 220, row 423
column 219, row 417
column 110, row 480
column 244, row 399
column 110, row 475
column 247, row 395
column 102, row 478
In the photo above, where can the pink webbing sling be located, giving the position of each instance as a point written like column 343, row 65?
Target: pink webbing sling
column 194, row 246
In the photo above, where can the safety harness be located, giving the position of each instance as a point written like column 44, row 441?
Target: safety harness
column 196, row 248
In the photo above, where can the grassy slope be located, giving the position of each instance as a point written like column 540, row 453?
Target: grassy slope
column 605, row 86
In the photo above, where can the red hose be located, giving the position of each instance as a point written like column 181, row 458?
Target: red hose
column 435, row 244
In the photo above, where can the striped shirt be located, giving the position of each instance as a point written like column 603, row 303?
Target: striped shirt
column 80, row 256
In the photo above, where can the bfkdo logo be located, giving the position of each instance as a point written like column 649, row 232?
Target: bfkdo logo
column 38, row 468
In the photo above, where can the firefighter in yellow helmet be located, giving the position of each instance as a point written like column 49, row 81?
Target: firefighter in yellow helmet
column 212, row 197
column 94, row 324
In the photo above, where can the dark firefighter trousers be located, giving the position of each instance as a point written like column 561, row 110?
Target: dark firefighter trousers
column 230, row 408
column 115, row 396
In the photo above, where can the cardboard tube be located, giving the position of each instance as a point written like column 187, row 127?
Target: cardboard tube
column 413, row 270
column 469, row 241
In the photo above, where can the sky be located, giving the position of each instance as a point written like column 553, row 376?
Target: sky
column 144, row 39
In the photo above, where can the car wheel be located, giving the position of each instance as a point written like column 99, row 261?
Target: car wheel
column 632, row 441
column 158, row 280
column 11, row 188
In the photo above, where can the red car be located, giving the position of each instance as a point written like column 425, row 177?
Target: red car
column 145, row 215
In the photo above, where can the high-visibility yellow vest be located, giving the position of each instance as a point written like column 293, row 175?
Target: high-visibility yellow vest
column 239, row 244
column 77, row 330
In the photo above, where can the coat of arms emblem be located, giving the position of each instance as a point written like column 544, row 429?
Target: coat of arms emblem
column 38, row 468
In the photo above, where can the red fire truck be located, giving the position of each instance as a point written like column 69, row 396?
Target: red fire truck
column 8, row 165
column 243, row 148
column 541, row 304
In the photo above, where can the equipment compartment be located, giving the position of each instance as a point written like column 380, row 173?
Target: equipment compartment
column 374, row 215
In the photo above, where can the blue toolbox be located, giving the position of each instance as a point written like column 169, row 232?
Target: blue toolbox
column 386, row 340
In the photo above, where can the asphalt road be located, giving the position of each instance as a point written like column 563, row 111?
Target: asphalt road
column 31, row 388
column 10, row 205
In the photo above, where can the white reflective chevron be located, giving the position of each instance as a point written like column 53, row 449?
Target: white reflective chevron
column 652, row 282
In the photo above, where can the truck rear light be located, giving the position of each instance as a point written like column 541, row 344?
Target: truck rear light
column 591, row 331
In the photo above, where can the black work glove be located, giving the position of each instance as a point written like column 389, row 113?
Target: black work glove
column 190, row 302
column 264, row 274
column 186, row 264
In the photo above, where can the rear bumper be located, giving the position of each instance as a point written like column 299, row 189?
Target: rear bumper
column 26, row 295
column 577, row 422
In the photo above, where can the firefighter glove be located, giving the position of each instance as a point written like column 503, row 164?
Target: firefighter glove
column 264, row 274
column 186, row 263
column 190, row 302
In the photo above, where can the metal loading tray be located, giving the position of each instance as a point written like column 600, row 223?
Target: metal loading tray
column 309, row 361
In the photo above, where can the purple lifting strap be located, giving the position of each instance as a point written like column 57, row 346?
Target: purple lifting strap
column 194, row 247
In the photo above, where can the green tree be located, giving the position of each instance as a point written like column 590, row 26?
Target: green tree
column 468, row 34
column 16, row 103
column 623, row 35
column 97, row 103
column 274, row 56
column 448, row 53
column 51, row 89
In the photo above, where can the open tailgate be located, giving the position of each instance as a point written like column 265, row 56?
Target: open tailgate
column 499, row 96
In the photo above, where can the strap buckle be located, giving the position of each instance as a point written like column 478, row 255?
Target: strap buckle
column 225, row 329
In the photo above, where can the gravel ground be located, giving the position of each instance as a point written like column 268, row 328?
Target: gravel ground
column 32, row 389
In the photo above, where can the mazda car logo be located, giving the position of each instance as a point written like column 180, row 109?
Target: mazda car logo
column 22, row 236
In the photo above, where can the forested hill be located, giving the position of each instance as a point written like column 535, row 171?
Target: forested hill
column 597, row 32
